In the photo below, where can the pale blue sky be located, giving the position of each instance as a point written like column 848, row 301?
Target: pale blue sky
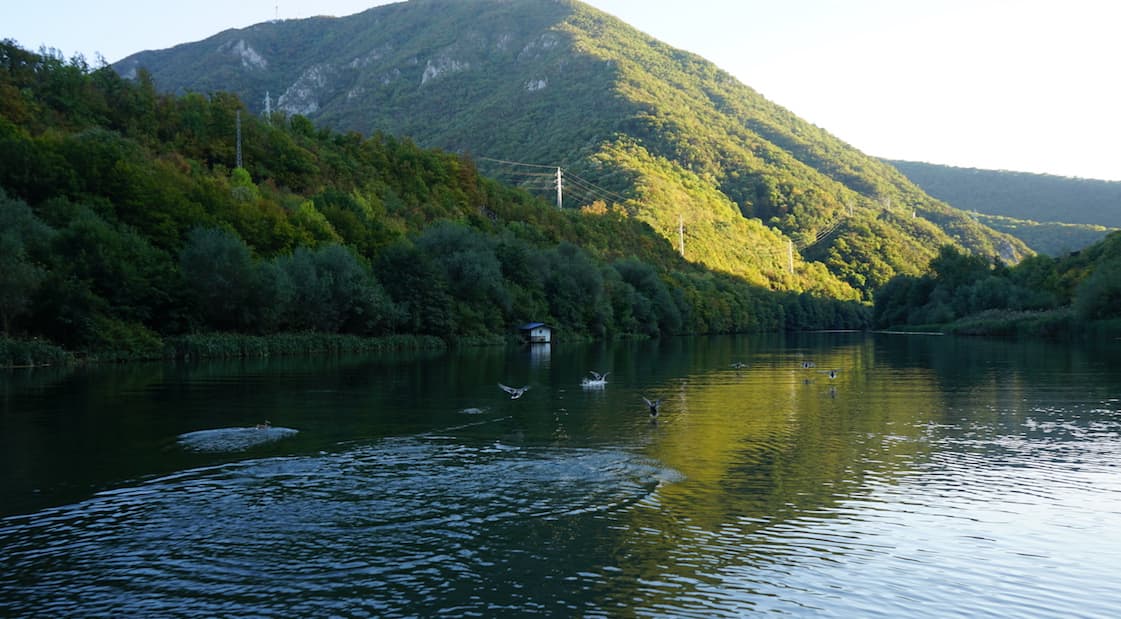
column 1028, row 85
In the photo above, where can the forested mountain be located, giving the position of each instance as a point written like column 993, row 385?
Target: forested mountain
column 1050, row 237
column 642, row 130
column 1020, row 195
column 124, row 220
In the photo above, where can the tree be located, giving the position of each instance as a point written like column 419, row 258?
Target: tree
column 1099, row 295
column 218, row 271
column 19, row 279
column 333, row 292
column 22, row 237
column 473, row 273
column 418, row 285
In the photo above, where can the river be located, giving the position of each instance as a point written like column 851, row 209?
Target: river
column 928, row 477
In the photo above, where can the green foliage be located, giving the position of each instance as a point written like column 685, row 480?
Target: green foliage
column 16, row 353
column 1020, row 195
column 20, row 276
column 234, row 345
column 1099, row 295
column 1052, row 323
column 218, row 272
column 333, row 292
column 115, row 340
column 1049, row 238
column 153, row 237
column 644, row 131
column 1041, row 295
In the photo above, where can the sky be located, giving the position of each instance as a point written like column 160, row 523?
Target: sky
column 1022, row 85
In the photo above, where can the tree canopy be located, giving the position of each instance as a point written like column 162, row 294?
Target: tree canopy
column 125, row 221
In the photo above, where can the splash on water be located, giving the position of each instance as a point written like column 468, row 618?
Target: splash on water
column 232, row 439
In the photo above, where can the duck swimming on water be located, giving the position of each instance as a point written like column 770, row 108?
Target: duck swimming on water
column 264, row 426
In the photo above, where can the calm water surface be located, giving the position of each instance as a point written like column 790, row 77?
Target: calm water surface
column 933, row 477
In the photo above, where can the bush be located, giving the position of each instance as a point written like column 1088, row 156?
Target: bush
column 116, row 340
column 235, row 346
column 1098, row 297
column 16, row 353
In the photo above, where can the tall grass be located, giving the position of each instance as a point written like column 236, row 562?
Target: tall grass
column 15, row 353
column 1053, row 323
column 234, row 345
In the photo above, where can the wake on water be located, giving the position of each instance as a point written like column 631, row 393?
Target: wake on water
column 232, row 439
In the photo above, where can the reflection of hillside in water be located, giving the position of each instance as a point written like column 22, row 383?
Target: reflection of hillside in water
column 774, row 441
column 772, row 448
column 787, row 472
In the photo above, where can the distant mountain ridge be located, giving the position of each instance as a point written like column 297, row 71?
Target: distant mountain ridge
column 1021, row 195
column 661, row 134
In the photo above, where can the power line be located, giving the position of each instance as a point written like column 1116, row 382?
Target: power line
column 562, row 180
column 517, row 163
column 618, row 197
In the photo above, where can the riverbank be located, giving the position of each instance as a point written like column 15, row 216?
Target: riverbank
column 22, row 353
column 1051, row 324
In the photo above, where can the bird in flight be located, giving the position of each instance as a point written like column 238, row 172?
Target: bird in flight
column 596, row 376
column 515, row 392
column 739, row 365
column 831, row 374
column 653, row 405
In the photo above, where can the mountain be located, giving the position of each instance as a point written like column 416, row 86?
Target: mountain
column 733, row 180
column 1051, row 214
column 1050, row 238
column 134, row 224
column 1020, row 195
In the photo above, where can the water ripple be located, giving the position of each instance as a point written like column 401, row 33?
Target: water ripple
column 352, row 531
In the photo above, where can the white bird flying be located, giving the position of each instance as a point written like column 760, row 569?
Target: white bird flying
column 515, row 392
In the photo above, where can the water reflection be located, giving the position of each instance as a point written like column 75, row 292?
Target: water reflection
column 931, row 477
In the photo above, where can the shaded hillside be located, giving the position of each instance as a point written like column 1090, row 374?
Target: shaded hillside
column 655, row 133
column 1049, row 238
column 1020, row 195
column 124, row 220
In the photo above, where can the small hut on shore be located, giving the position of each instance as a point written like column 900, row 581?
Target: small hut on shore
column 536, row 333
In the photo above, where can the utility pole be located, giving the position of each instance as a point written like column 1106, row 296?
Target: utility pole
column 239, row 138
column 560, row 189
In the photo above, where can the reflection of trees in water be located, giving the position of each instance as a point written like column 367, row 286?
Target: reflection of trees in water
column 961, row 363
column 767, row 455
column 771, row 445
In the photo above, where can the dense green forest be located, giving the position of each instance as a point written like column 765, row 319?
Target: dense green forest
column 656, row 133
column 124, row 221
column 1020, row 195
column 1050, row 237
column 969, row 294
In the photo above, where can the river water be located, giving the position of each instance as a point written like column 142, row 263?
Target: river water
column 931, row 477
